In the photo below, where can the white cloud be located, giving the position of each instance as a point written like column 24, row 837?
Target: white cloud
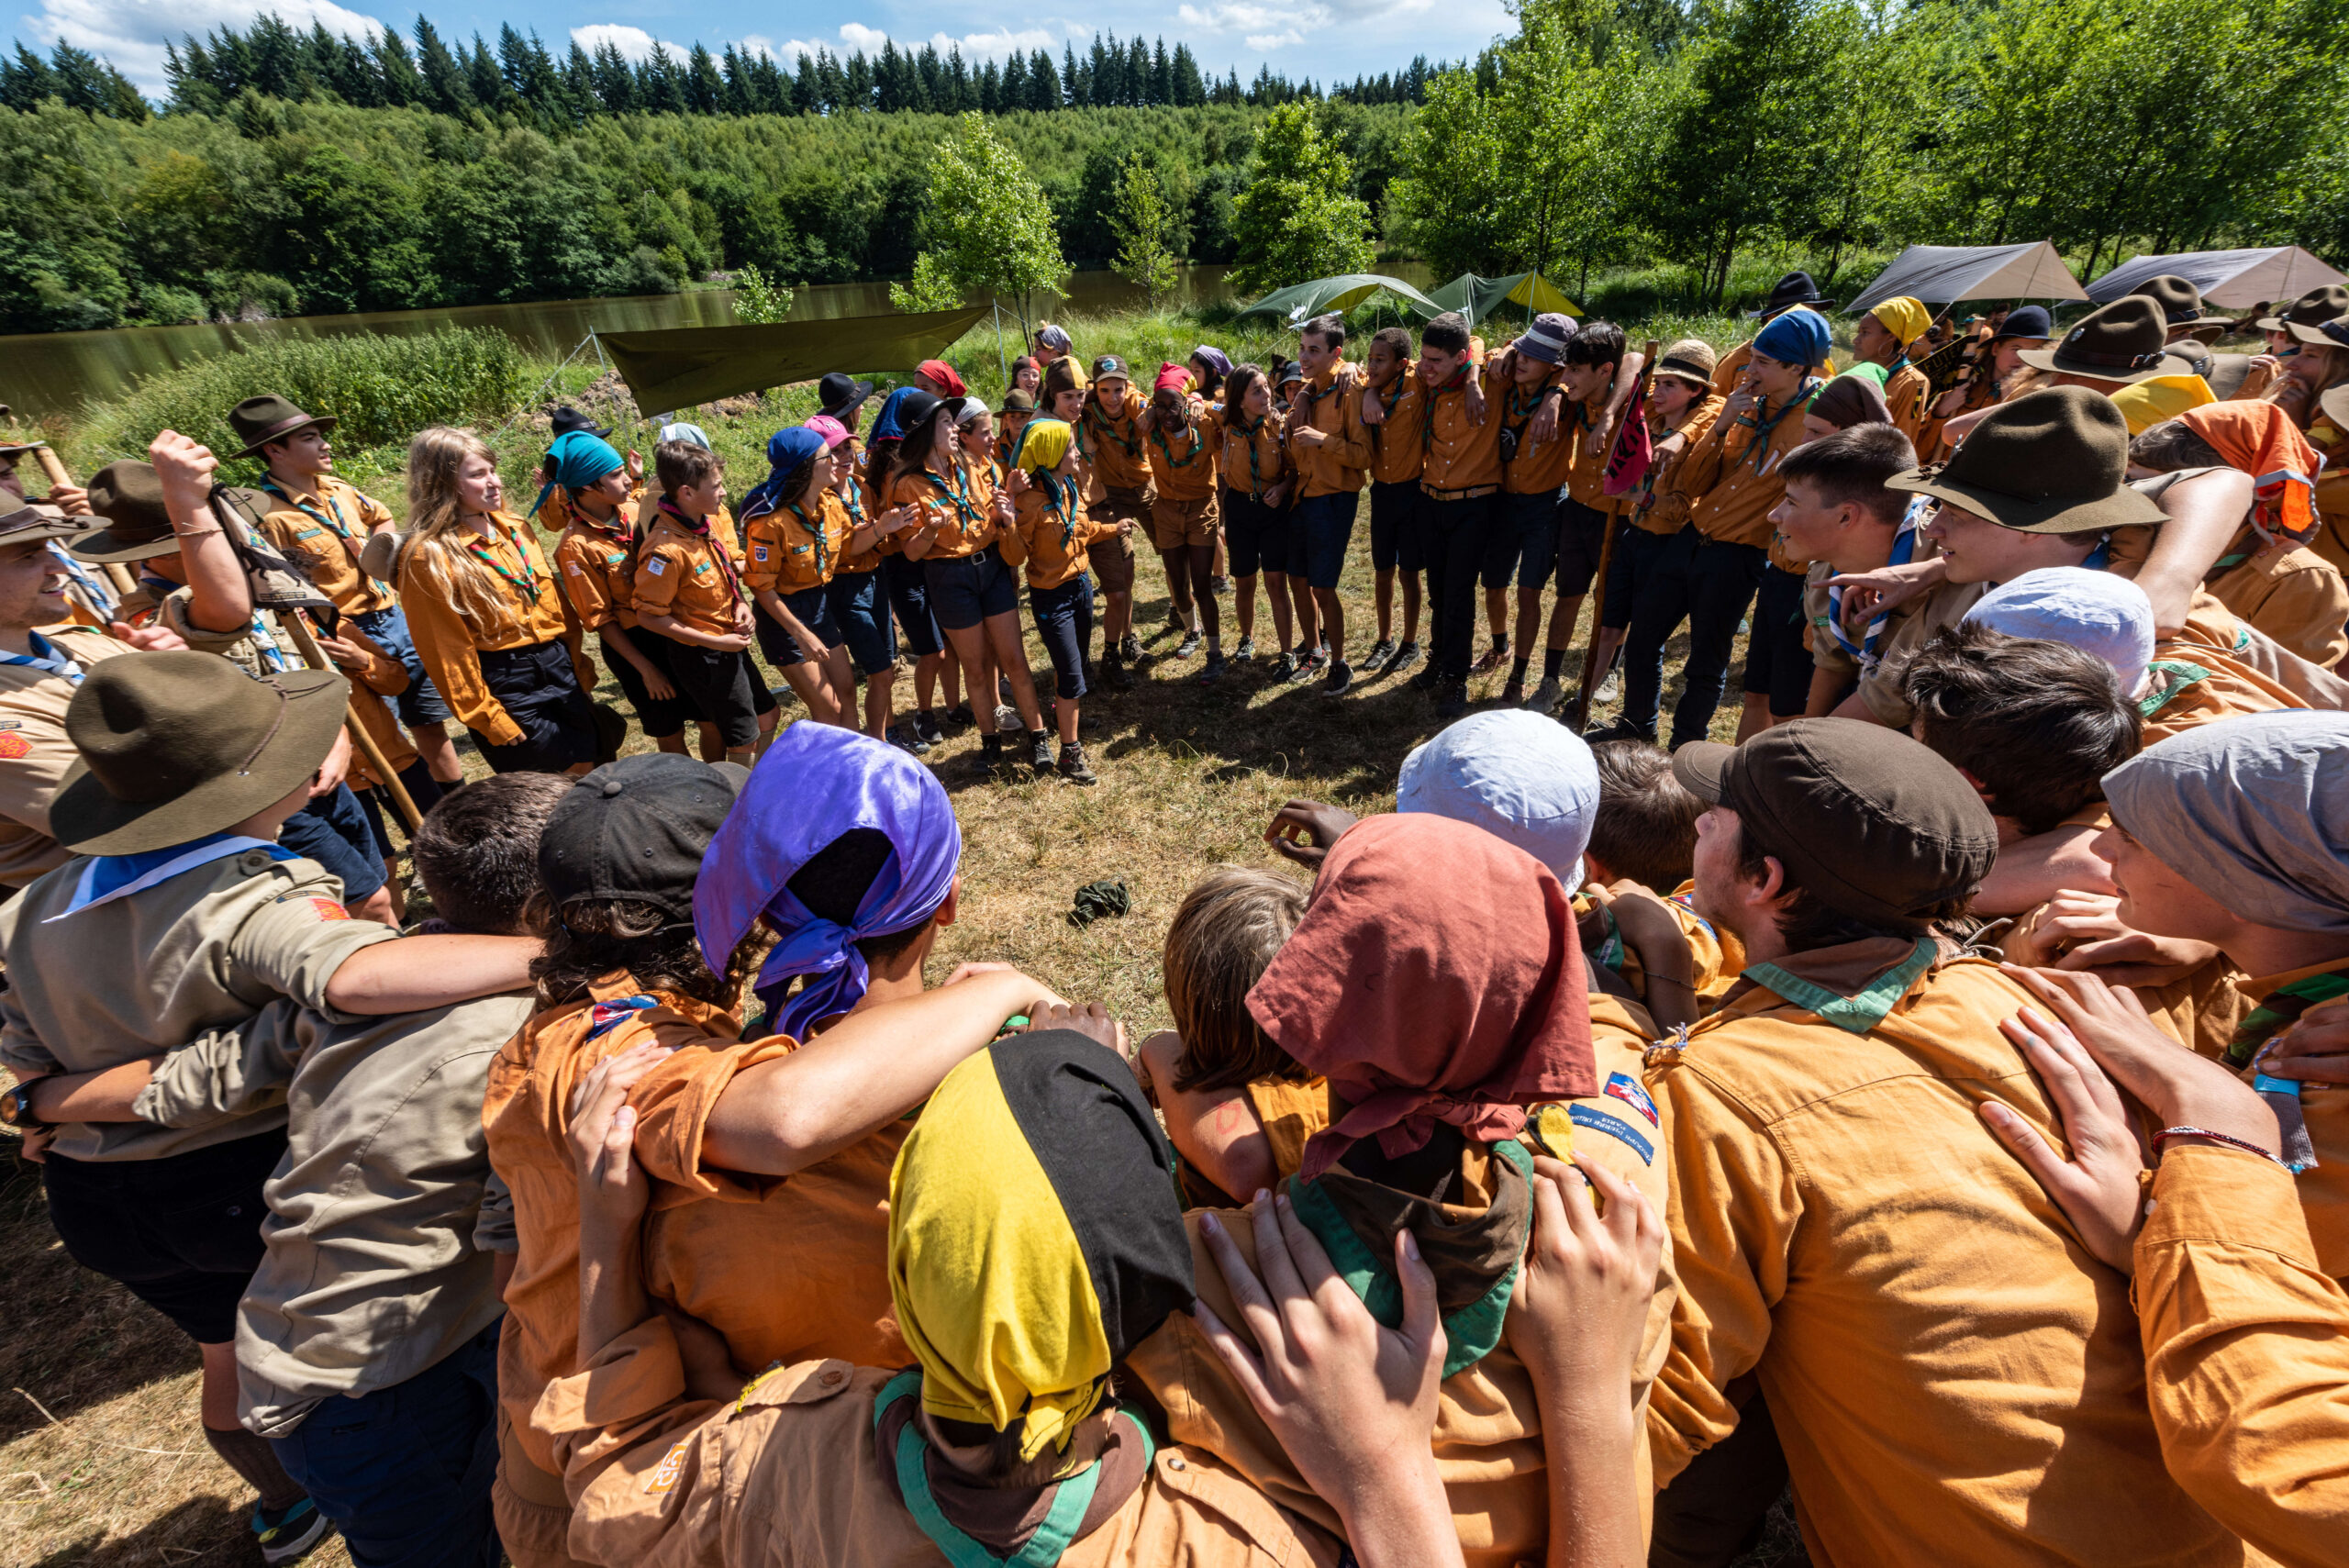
column 855, row 37
column 132, row 33
column 634, row 43
column 1271, row 26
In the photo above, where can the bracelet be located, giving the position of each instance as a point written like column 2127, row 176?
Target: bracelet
column 2227, row 1139
column 196, row 533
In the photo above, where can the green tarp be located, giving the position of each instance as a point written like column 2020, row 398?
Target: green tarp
column 685, row 366
column 1478, row 297
column 1300, row 303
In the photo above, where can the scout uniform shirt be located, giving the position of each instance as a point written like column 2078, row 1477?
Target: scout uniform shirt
column 1695, row 423
column 1907, row 391
column 1728, row 484
column 2294, row 594
column 1113, row 441
column 1182, row 466
column 1462, row 457
column 2323, row 1188
column 694, row 575
column 1953, row 1375
column 1252, row 459
column 34, row 750
column 1875, row 655
column 1538, row 468
column 1050, row 531
column 1586, row 479
column 791, row 552
column 321, row 534
column 1331, row 402
column 114, row 959
column 451, row 646
column 962, row 506
column 1487, row 1439
column 1398, row 451
column 596, row 562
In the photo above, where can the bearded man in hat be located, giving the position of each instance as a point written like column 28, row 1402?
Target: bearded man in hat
column 1944, row 1361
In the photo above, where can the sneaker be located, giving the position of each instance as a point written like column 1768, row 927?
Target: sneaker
column 1340, row 681
column 1040, row 751
column 287, row 1533
column 1619, row 730
column 1113, row 673
column 925, row 727
column 1405, row 655
column 991, row 750
column 1213, row 672
column 1380, row 652
column 907, row 738
column 1074, row 766
column 1219, row 584
column 1610, row 690
column 1130, row 648
column 1545, row 695
column 1312, row 665
column 1244, row 649
column 1452, row 701
column 1189, row 645
column 1008, row 720
column 1285, row 666
column 1490, row 659
column 962, row 717
column 1512, row 693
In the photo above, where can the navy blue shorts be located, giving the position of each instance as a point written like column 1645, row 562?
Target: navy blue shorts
column 540, row 692
column 908, row 586
column 861, row 610
column 1522, row 543
column 813, row 607
column 661, row 717
column 1777, row 661
column 1322, row 528
column 974, row 588
column 333, row 830
column 1255, row 534
column 1582, row 536
column 725, row 687
column 422, row 701
column 1393, row 540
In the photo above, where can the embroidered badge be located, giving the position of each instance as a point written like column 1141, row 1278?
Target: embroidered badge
column 1616, row 1127
column 12, row 747
column 572, row 567
column 1620, row 1086
column 328, row 909
column 758, row 552
column 657, row 566
column 673, row 1464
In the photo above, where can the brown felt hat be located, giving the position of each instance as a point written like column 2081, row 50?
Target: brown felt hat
column 2119, row 342
column 1018, row 400
column 178, row 745
column 38, row 520
column 2318, row 304
column 2336, row 404
column 129, row 496
column 2181, row 304
column 1863, row 818
column 259, row 420
column 2330, row 333
column 2053, row 462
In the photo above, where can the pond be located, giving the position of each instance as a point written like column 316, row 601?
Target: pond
column 58, row 373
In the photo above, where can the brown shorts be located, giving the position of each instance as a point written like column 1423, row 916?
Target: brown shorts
column 1174, row 524
column 1113, row 559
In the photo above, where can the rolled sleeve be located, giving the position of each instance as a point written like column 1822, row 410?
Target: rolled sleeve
column 673, row 1102
column 294, row 944
column 227, row 1075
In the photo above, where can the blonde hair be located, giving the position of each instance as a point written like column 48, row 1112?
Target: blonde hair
column 1222, row 941
column 2307, row 411
column 435, row 517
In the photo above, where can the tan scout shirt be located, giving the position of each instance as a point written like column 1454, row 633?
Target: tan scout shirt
column 382, row 1214
column 452, row 646
column 1396, row 450
column 1881, row 677
column 2246, row 1353
column 1726, row 488
column 1954, row 1378
column 35, row 753
column 321, row 534
column 144, row 974
column 1649, row 511
column 1182, row 466
column 787, row 1477
column 1113, row 442
column 1330, row 403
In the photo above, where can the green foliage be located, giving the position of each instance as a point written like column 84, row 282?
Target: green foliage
column 1299, row 217
column 381, row 389
column 1144, row 224
column 929, row 289
column 987, row 228
column 757, row 299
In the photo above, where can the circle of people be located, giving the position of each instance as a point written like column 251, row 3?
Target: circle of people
column 1938, row 1100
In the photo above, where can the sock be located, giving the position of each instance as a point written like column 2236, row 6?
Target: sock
column 1516, row 670
column 1552, row 661
column 253, row 1458
column 1215, row 644
column 1501, row 644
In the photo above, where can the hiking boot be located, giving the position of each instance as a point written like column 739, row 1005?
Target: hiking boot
column 1189, row 645
column 1427, row 680
column 1340, row 681
column 1113, row 673
column 962, row 717
column 1452, row 701
column 1285, row 666
column 991, row 750
column 1040, row 751
column 1309, row 664
column 1619, row 730
column 1075, row 768
column 1490, row 659
column 907, row 738
column 925, row 727
column 1512, row 693
column 1611, row 689
column 287, row 1533
column 1244, row 649
column 1545, row 695
column 1213, row 672
column 1130, row 648
column 1380, row 652
column 1405, row 655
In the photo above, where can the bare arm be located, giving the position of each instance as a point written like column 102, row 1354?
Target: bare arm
column 105, row 1094
column 1216, row 1131
column 2205, row 513
column 415, row 973
column 219, row 598
column 2031, row 871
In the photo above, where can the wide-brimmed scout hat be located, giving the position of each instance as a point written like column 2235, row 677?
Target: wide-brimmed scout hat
column 2053, row 462
column 33, row 520
column 2336, row 404
column 129, row 497
column 10, row 451
column 2119, row 342
column 259, row 420
column 2317, row 305
column 1795, row 288
column 178, row 745
column 839, row 392
column 1018, row 400
column 2332, row 332
column 2182, row 306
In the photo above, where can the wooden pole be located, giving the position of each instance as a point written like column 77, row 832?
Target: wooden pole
column 1590, row 671
column 54, row 466
column 315, row 657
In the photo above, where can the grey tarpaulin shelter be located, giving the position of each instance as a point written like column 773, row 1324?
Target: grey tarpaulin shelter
column 685, row 365
column 2230, row 278
column 1476, row 297
column 1944, row 274
column 1300, row 303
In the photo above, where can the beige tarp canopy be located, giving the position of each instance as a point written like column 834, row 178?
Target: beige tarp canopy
column 2230, row 278
column 1478, row 297
column 685, row 366
column 1944, row 274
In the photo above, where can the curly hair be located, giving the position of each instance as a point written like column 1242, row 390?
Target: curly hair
column 593, row 938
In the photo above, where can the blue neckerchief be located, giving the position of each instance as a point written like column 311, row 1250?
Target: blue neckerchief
column 108, row 877
column 98, row 592
column 45, row 656
column 605, row 1017
column 1904, row 549
column 265, row 649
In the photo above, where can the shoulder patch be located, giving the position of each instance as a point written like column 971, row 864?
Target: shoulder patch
column 572, row 567
column 328, row 909
column 673, row 1464
column 1615, row 1127
column 1623, row 1087
column 657, row 565
column 14, row 746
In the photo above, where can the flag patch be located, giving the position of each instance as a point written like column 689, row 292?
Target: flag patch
column 1620, row 1086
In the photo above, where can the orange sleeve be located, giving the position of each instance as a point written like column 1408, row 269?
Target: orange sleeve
column 583, row 583
column 673, row 1104
column 659, row 572
column 451, row 656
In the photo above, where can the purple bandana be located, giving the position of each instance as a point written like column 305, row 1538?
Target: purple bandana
column 815, row 783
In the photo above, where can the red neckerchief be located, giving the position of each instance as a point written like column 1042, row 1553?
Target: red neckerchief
column 700, row 529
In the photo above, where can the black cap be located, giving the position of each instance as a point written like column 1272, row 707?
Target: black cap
column 638, row 828
column 840, row 392
column 568, row 420
column 1863, row 818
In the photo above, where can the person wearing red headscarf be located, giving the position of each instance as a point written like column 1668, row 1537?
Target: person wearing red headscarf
column 939, row 379
column 1436, row 981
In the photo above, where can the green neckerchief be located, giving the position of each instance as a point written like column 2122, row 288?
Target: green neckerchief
column 2281, row 1008
column 1062, row 506
column 966, row 511
column 1158, row 434
column 815, row 531
column 331, row 519
column 1459, row 383
column 1255, row 475
column 2152, row 702
column 1095, row 419
column 1388, row 405
column 1862, row 1010
column 1470, row 1332
column 1071, row 1496
column 1801, row 399
column 527, row 584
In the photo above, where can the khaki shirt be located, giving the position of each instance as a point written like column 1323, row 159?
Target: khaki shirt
column 1953, row 1374
column 787, row 1477
column 2295, row 595
column 452, row 646
column 35, row 752
column 694, row 578
column 1912, row 624
column 1113, row 442
column 1182, row 466
column 147, row 973
column 321, row 535
column 598, row 573
column 1331, row 403
column 1036, row 538
column 1462, row 454
column 2247, row 1366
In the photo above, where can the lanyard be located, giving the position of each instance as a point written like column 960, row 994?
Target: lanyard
column 45, row 656
column 1904, row 549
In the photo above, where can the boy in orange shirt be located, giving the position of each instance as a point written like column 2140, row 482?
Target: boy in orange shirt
column 1391, row 410
column 1051, row 532
column 1113, row 422
column 689, row 590
column 595, row 563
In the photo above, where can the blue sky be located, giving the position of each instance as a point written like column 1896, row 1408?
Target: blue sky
column 1325, row 39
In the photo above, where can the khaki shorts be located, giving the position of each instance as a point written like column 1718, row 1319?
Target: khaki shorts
column 1113, row 559
column 1174, row 524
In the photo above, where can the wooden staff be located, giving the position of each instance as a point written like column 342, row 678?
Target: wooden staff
column 54, row 466
column 1590, row 671
column 315, row 657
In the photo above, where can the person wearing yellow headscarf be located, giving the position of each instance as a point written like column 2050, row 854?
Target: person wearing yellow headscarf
column 1883, row 338
column 1051, row 531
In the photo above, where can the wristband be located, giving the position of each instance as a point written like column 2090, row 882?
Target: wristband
column 2230, row 1139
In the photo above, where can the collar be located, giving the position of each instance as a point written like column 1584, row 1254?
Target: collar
column 315, row 493
column 108, row 877
column 46, row 655
column 1850, row 984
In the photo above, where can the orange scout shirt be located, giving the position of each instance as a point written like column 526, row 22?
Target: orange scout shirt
column 1331, row 403
column 1696, row 422
column 784, row 1269
column 693, row 576
column 1954, row 1376
column 2295, row 595
column 1182, row 464
column 1045, row 536
column 1587, row 479
column 1728, row 482
column 2323, row 1188
column 1462, row 454
column 1397, row 454
column 1906, row 394
column 1539, row 468
column 961, row 507
column 791, row 552
column 321, row 533
column 598, row 568
column 1252, row 459
column 452, row 646
column 1113, row 441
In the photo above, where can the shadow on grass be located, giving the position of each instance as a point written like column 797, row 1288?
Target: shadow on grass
column 201, row 1529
